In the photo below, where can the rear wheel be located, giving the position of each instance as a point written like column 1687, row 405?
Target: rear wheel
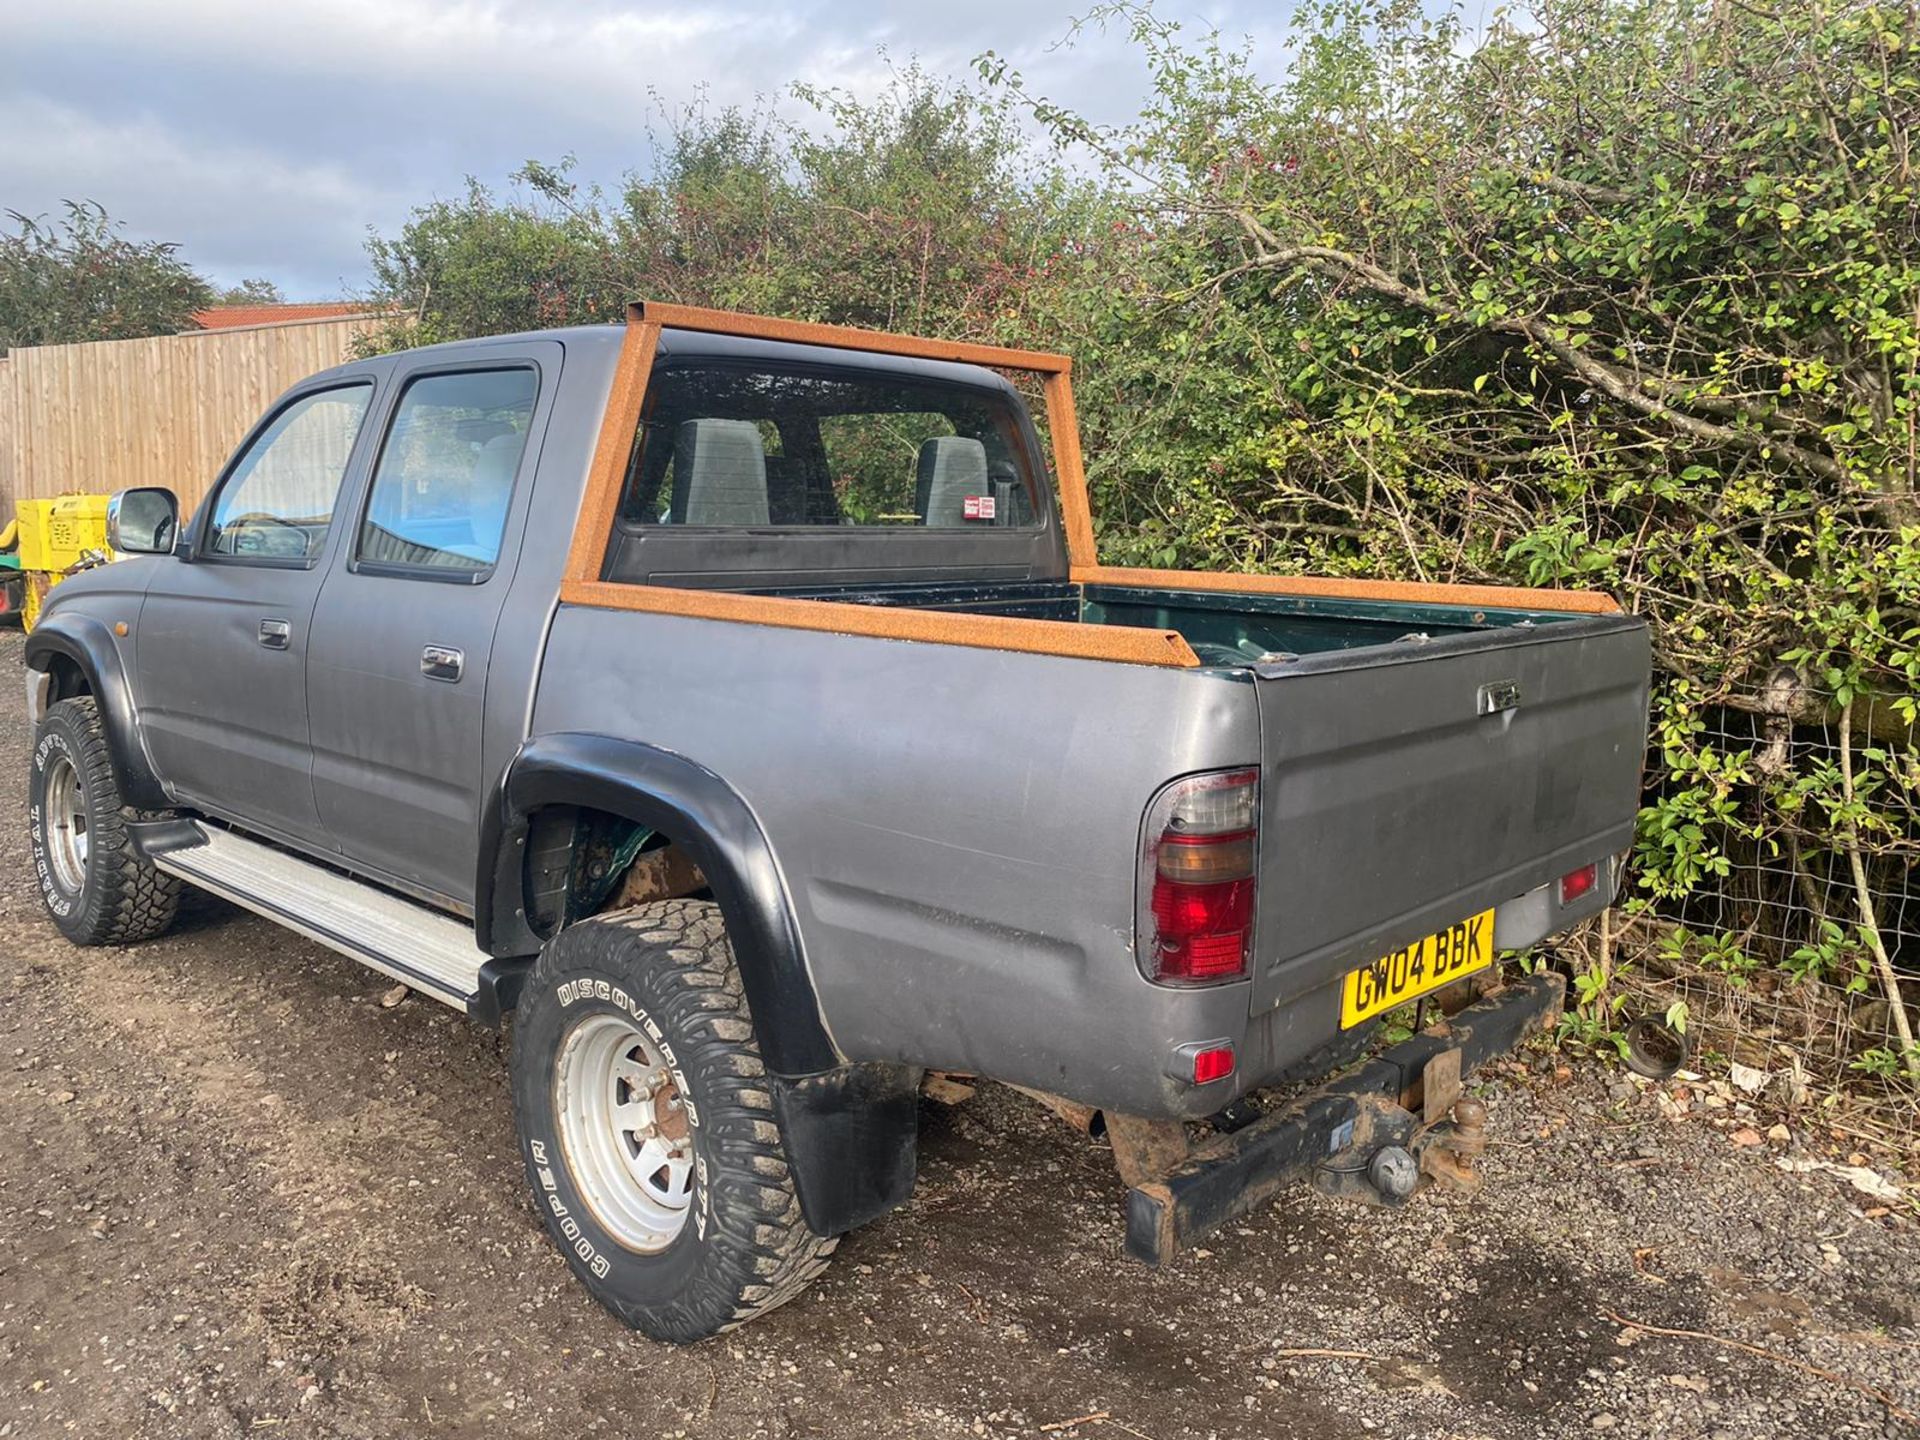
column 97, row 887
column 648, row 1128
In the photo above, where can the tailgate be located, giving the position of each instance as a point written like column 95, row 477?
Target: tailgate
column 1398, row 797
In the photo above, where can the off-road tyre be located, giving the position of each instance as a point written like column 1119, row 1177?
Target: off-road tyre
column 744, row 1247
column 122, row 897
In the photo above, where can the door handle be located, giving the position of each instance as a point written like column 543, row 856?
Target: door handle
column 275, row 634
column 442, row 662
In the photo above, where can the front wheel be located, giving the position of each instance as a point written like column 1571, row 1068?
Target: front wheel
column 98, row 888
column 648, row 1127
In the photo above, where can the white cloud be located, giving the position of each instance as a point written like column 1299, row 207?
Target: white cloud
column 592, row 66
column 267, row 137
column 230, row 205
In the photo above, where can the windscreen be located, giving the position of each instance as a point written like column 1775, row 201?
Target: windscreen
column 732, row 445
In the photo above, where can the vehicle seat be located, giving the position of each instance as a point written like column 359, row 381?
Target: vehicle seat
column 951, row 468
column 719, row 473
column 786, row 492
column 490, row 491
column 1012, row 504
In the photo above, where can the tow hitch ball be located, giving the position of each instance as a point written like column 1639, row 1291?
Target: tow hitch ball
column 1389, row 1155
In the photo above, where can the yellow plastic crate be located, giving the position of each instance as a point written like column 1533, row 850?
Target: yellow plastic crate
column 54, row 535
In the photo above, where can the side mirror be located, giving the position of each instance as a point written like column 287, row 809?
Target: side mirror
column 142, row 521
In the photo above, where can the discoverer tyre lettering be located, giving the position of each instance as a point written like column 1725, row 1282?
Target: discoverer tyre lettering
column 693, row 1085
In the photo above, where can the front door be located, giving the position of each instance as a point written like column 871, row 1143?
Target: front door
column 398, row 667
column 224, row 636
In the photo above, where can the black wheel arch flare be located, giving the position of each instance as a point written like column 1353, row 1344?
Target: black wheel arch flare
column 89, row 646
column 680, row 798
column 850, row 1130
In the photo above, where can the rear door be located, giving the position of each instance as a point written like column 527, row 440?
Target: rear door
column 404, row 629
column 1406, row 787
column 224, row 637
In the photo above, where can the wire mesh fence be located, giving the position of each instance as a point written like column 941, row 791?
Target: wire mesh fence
column 1772, row 908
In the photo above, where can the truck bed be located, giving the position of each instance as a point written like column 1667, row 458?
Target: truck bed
column 1421, row 762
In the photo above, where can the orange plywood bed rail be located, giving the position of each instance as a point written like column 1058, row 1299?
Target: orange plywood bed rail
column 1404, row 592
column 1127, row 644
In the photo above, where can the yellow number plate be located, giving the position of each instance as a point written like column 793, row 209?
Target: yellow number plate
column 1422, row 966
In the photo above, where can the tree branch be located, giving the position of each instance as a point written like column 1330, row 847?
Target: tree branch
column 1863, row 893
column 1628, row 386
column 1581, row 190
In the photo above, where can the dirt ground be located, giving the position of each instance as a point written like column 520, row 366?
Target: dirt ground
column 239, row 1198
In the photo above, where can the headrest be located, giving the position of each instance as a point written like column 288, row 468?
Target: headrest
column 719, row 473
column 497, row 460
column 951, row 469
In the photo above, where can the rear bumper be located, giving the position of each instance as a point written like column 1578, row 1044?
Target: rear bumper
column 1287, row 1040
column 1236, row 1171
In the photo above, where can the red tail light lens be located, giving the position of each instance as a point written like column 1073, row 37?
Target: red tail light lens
column 1201, row 930
column 1212, row 1065
column 1197, row 858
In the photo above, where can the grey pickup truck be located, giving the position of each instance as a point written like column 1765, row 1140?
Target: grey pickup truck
column 741, row 704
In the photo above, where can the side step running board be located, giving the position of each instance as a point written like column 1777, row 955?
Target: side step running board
column 429, row 950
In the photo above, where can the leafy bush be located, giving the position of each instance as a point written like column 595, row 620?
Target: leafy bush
column 82, row 279
column 919, row 210
column 1624, row 296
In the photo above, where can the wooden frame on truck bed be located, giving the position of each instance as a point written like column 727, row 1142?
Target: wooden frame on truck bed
column 593, row 533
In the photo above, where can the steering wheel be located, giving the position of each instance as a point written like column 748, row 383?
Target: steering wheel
column 242, row 527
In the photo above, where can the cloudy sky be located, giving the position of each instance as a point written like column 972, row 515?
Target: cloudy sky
column 267, row 135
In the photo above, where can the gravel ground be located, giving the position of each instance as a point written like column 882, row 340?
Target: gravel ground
column 239, row 1197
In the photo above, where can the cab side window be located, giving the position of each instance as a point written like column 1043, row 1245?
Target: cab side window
column 277, row 503
column 440, row 492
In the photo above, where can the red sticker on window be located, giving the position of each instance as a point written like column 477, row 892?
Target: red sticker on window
column 977, row 507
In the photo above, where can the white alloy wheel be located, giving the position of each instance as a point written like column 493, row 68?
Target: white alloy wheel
column 624, row 1131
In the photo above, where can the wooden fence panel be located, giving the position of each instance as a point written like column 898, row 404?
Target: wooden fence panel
column 163, row 411
column 7, row 487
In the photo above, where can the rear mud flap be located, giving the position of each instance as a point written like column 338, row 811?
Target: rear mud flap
column 1405, row 1100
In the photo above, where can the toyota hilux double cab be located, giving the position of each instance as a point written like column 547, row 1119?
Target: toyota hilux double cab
column 741, row 705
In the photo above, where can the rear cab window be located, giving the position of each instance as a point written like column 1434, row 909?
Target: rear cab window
column 728, row 444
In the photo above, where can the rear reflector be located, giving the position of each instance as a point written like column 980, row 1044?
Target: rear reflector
column 1212, row 1065
column 1576, row 883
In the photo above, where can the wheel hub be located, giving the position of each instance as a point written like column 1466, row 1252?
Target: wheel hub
column 67, row 830
column 625, row 1133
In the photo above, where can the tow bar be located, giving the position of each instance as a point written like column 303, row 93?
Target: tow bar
column 1379, row 1135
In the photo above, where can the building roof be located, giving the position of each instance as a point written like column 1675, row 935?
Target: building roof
column 232, row 317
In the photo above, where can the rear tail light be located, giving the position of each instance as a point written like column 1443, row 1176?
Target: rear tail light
column 1576, row 883
column 1197, row 858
